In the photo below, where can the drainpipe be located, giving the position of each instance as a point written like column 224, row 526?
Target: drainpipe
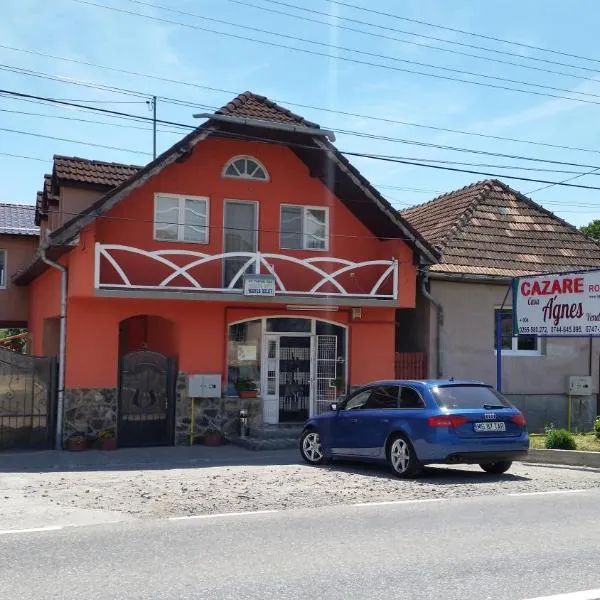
column 62, row 346
column 439, row 309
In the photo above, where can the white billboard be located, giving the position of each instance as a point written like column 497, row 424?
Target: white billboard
column 566, row 304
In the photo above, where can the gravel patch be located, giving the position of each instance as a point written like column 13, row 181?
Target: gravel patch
column 218, row 489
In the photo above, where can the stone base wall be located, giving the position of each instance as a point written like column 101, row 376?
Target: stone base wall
column 222, row 413
column 89, row 411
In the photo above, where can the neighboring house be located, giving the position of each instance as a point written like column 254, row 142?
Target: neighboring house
column 18, row 241
column 488, row 234
column 158, row 309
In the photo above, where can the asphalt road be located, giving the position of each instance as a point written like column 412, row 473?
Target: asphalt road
column 510, row 547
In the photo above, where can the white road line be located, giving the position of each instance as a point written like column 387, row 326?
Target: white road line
column 221, row 515
column 32, row 530
column 585, row 595
column 547, row 492
column 383, row 503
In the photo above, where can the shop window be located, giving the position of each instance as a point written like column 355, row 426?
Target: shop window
column 243, row 354
column 288, row 325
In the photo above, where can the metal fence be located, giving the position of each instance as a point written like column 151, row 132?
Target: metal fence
column 27, row 400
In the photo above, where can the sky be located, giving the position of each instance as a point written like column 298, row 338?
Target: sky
column 348, row 69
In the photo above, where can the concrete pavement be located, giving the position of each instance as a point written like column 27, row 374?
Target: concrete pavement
column 504, row 547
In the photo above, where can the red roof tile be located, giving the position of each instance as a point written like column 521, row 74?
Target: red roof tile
column 490, row 229
column 253, row 106
column 95, row 172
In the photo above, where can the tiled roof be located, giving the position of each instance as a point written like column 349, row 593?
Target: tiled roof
column 253, row 106
column 18, row 219
column 95, row 172
column 490, row 229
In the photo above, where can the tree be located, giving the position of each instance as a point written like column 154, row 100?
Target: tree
column 592, row 229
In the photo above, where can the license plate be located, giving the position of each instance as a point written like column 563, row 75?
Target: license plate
column 494, row 426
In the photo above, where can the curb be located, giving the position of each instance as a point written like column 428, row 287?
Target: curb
column 574, row 458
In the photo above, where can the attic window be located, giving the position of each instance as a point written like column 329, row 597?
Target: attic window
column 245, row 167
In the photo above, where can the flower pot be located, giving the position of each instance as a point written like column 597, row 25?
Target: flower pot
column 248, row 393
column 77, row 445
column 108, row 444
column 212, row 439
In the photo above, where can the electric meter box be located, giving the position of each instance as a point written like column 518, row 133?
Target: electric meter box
column 580, row 385
column 201, row 385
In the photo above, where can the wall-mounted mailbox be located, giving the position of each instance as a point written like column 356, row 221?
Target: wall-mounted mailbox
column 580, row 385
column 202, row 385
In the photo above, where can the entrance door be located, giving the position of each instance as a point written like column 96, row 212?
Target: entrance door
column 271, row 381
column 240, row 234
column 326, row 370
column 146, row 399
column 295, row 378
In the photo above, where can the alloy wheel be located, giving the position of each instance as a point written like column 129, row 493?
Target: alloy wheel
column 311, row 447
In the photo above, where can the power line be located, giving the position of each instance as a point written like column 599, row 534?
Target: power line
column 285, row 102
column 464, row 32
column 353, row 60
column 437, row 39
column 397, row 39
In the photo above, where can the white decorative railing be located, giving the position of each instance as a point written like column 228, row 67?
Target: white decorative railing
column 255, row 263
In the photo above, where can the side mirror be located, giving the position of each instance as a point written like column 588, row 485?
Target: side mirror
column 334, row 406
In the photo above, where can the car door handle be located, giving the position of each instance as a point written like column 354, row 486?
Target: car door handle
column 353, row 420
column 385, row 420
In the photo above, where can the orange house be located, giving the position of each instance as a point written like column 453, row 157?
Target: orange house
column 249, row 259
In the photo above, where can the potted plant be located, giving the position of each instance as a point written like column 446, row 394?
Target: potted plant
column 246, row 387
column 212, row 437
column 77, row 442
column 108, row 441
column 340, row 385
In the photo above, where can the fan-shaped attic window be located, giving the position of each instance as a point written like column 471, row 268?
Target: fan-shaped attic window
column 245, row 167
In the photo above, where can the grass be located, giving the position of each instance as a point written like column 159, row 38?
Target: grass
column 585, row 441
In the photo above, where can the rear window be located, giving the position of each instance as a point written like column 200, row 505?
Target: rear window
column 468, row 396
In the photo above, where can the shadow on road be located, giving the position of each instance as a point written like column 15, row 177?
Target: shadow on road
column 135, row 459
column 441, row 475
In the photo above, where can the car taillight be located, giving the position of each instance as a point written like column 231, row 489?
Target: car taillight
column 447, row 421
column 518, row 419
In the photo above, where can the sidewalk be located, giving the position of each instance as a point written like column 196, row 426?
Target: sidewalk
column 179, row 457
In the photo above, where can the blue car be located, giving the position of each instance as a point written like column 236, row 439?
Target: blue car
column 409, row 424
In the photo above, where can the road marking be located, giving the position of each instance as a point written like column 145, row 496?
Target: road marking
column 546, row 493
column 585, row 595
column 31, row 530
column 221, row 515
column 383, row 503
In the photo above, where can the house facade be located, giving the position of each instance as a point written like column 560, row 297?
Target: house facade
column 489, row 234
column 250, row 254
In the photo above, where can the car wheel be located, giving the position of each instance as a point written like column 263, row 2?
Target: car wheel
column 311, row 449
column 402, row 458
column 496, row 468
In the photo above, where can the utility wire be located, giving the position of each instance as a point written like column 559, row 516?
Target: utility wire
column 354, row 60
column 400, row 40
column 463, row 31
column 284, row 102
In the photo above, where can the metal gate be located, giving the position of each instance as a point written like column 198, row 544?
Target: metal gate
column 146, row 399
column 326, row 372
column 27, row 400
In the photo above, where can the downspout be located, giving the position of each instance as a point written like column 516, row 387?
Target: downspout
column 439, row 309
column 60, row 401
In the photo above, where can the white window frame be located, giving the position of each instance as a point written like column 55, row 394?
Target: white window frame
column 246, row 177
column 305, row 208
column 181, row 218
column 514, row 350
column 4, row 275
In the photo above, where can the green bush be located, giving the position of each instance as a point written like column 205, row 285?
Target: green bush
column 560, row 439
column 597, row 427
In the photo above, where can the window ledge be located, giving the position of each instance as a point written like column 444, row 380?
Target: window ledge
column 519, row 352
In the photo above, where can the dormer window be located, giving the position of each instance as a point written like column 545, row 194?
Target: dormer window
column 245, row 167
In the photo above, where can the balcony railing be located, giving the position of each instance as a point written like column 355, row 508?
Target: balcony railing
column 129, row 268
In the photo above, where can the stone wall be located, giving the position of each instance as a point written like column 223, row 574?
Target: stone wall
column 222, row 413
column 89, row 411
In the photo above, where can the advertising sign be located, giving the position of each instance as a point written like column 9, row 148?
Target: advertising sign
column 259, row 285
column 557, row 305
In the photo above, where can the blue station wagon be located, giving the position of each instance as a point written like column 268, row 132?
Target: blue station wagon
column 410, row 424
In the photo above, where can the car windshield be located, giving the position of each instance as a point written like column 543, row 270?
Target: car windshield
column 469, row 396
